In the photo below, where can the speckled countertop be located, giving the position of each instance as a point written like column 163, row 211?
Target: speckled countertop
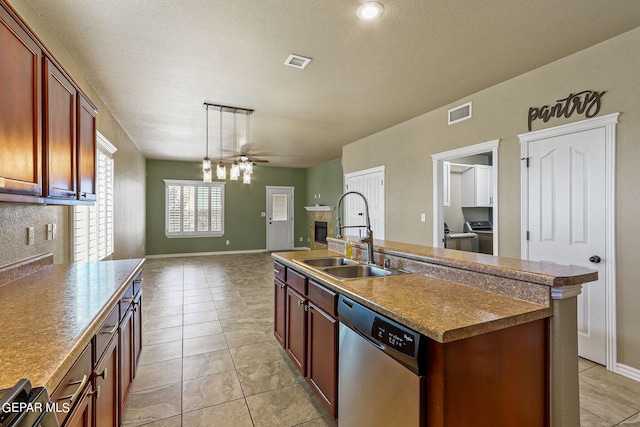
column 441, row 310
column 48, row 317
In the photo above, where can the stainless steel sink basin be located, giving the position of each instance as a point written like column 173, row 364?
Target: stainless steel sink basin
column 329, row 262
column 360, row 271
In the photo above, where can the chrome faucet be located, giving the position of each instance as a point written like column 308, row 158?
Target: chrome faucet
column 368, row 239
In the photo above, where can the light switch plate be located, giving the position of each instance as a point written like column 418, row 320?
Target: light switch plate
column 49, row 231
column 31, row 235
column 423, row 217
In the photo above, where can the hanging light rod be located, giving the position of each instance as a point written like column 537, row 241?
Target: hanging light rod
column 228, row 108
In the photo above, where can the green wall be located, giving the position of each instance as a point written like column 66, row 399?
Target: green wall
column 325, row 180
column 245, row 228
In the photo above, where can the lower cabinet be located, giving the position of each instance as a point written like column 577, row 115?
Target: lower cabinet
column 82, row 415
column 306, row 325
column 74, row 392
column 105, row 377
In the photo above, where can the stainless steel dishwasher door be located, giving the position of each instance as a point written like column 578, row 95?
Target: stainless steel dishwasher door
column 373, row 388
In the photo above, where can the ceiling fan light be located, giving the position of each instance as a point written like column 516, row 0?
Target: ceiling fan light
column 206, row 169
column 221, row 171
column 248, row 168
column 246, row 178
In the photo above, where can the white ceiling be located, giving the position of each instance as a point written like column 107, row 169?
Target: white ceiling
column 155, row 62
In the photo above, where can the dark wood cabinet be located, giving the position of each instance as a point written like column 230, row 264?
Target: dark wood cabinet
column 306, row 324
column 322, row 349
column 59, row 134
column 105, row 375
column 280, row 297
column 47, row 124
column 130, row 339
column 296, row 329
column 137, row 330
column 74, row 390
column 126, row 357
column 86, row 149
column 20, row 111
column 82, row 415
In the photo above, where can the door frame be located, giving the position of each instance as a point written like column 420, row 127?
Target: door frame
column 438, row 191
column 291, row 212
column 609, row 123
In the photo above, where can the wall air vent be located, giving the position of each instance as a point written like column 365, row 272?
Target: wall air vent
column 460, row 113
column 297, row 61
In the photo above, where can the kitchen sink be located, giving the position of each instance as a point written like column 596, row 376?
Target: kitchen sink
column 329, row 262
column 360, row 271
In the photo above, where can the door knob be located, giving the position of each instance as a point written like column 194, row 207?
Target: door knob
column 595, row 259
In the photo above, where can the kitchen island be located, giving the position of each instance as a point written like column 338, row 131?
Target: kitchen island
column 458, row 298
column 73, row 319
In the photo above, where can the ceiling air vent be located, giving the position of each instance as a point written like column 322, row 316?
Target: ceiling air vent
column 460, row 113
column 297, row 61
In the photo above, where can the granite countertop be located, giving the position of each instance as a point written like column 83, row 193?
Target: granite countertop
column 441, row 310
column 50, row 316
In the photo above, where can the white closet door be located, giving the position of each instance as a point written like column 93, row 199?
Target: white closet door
column 369, row 182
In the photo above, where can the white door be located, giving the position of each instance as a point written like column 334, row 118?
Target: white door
column 279, row 218
column 567, row 206
column 370, row 183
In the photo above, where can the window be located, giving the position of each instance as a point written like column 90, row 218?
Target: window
column 93, row 225
column 194, row 208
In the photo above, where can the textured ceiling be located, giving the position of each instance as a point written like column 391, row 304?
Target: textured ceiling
column 155, row 62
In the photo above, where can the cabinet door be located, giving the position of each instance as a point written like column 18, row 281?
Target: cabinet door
column 296, row 329
column 86, row 150
column 484, row 185
column 322, row 359
column 126, row 357
column 82, row 415
column 137, row 331
column 59, row 134
column 20, row 110
column 106, row 388
column 280, row 311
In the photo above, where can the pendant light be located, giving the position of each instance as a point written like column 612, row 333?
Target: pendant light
column 206, row 162
column 235, row 167
column 247, row 170
column 221, row 169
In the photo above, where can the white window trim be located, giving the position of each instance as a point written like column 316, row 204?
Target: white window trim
column 190, row 234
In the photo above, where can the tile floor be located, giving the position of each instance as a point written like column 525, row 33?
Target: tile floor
column 210, row 359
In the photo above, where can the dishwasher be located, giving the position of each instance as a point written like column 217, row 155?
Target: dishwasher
column 381, row 370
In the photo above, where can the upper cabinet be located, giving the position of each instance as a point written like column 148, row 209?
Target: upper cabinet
column 20, row 111
column 477, row 187
column 47, row 125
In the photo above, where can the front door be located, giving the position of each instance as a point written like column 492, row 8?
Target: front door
column 567, row 217
column 279, row 218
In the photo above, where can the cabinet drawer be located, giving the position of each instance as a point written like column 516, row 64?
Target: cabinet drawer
column 297, row 281
column 125, row 301
column 323, row 297
column 137, row 284
column 70, row 388
column 280, row 271
column 108, row 329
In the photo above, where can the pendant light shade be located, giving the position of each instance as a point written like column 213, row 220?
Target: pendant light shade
column 235, row 167
column 246, row 177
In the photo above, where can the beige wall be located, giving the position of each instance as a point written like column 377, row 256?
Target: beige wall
column 129, row 189
column 501, row 112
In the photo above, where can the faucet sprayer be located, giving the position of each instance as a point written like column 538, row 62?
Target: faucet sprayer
column 368, row 239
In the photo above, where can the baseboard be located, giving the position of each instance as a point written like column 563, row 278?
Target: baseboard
column 627, row 371
column 190, row 254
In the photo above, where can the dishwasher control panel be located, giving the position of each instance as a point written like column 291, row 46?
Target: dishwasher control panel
column 394, row 337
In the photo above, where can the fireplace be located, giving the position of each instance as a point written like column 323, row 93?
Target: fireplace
column 320, row 231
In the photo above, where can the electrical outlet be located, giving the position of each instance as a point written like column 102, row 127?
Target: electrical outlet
column 49, row 231
column 263, row 214
column 301, row 239
column 423, row 217
column 31, row 235
column 227, row 243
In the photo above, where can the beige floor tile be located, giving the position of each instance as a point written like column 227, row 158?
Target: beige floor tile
column 603, row 404
column 198, row 307
column 197, row 292
column 199, row 317
column 633, row 421
column 233, row 414
column 160, row 352
column 157, row 374
column 233, row 324
column 201, row 329
column 288, row 406
column 264, row 377
column 254, row 354
column 210, row 363
column 163, row 322
column 587, row 419
column 625, row 388
column 245, row 337
column 197, row 299
column 153, row 405
column 167, row 422
column 200, row 392
column 158, row 336
column 164, row 311
column 203, row 344
column 319, row 422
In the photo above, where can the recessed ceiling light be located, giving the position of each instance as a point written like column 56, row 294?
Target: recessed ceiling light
column 297, row 61
column 369, row 11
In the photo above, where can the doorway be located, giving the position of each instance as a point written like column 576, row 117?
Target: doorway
column 279, row 218
column 369, row 182
column 479, row 161
column 568, row 218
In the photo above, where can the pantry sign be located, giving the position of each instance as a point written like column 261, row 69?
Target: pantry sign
column 586, row 102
